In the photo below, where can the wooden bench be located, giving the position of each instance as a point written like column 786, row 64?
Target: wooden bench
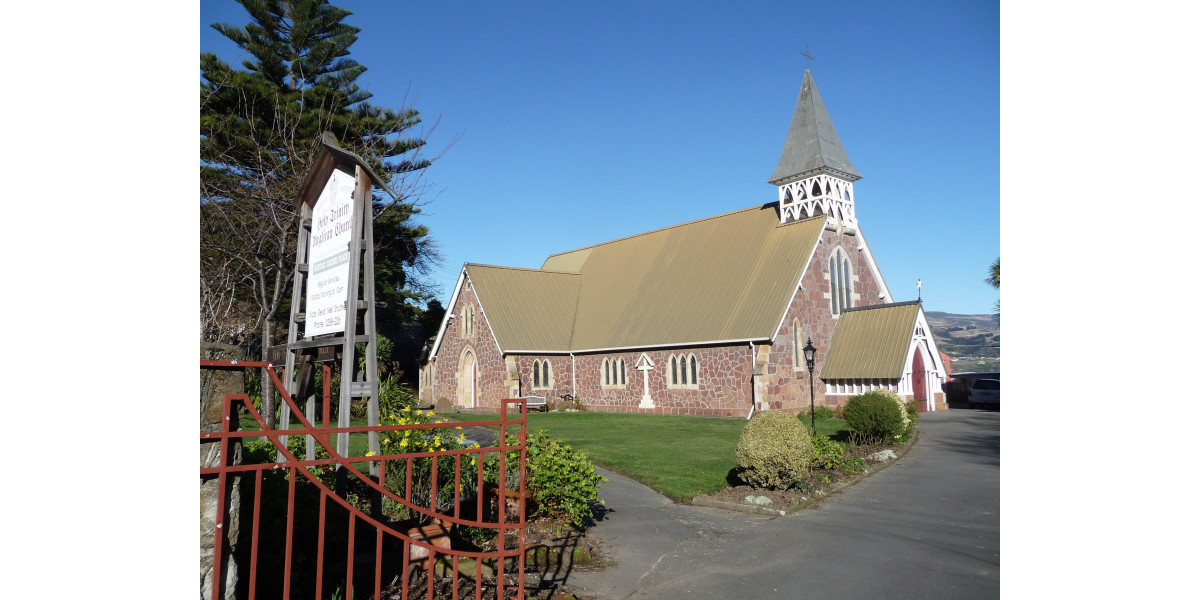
column 535, row 402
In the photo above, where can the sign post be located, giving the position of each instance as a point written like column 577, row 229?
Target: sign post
column 335, row 285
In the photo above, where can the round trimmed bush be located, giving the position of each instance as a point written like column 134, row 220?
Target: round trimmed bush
column 877, row 414
column 774, row 451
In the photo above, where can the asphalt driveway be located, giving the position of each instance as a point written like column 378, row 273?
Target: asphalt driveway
column 927, row 526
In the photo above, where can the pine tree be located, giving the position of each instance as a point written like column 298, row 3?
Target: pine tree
column 260, row 125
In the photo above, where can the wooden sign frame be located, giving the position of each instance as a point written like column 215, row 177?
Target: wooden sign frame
column 360, row 303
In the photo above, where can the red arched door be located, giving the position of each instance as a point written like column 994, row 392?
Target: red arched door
column 920, row 390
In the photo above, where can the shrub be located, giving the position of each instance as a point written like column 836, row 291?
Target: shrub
column 823, row 412
column 257, row 452
column 853, row 464
column 423, row 440
column 827, row 454
column 913, row 411
column 562, row 480
column 878, row 415
column 900, row 405
column 394, row 397
column 774, row 451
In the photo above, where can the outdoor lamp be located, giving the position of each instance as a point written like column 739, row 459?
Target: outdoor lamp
column 810, row 357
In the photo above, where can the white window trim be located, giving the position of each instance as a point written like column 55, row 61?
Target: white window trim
column 541, row 383
column 684, row 362
column 607, row 366
column 858, row 387
column 832, row 277
column 798, row 340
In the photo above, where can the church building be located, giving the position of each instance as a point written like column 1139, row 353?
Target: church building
column 707, row 318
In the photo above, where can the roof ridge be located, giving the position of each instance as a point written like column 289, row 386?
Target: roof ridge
column 629, row 237
column 550, row 271
column 887, row 305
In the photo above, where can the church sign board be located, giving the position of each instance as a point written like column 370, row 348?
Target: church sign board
column 332, row 225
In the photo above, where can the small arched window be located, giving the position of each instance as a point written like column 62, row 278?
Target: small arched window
column 541, row 374
column 468, row 320
column 674, row 371
column 622, row 371
column 604, row 367
column 692, row 371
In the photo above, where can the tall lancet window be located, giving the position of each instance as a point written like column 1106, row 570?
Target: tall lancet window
column 840, row 283
column 835, row 296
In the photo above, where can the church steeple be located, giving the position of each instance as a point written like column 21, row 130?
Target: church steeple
column 814, row 175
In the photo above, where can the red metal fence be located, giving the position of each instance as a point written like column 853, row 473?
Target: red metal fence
column 327, row 528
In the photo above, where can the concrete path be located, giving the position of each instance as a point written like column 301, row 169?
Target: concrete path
column 639, row 528
column 925, row 527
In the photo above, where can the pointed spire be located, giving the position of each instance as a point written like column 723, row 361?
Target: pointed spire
column 812, row 145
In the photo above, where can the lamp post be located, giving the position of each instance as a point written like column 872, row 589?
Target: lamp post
column 810, row 357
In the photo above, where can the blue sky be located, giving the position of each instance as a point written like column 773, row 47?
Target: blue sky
column 578, row 123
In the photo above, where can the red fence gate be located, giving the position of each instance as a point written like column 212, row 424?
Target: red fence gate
column 326, row 528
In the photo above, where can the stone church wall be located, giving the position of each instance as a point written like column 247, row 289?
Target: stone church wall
column 452, row 387
column 723, row 382
column 560, row 376
column 785, row 380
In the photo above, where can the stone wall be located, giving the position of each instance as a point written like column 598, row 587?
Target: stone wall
column 785, row 383
column 451, row 384
column 723, row 386
column 214, row 384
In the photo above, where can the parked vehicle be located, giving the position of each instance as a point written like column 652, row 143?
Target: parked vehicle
column 984, row 391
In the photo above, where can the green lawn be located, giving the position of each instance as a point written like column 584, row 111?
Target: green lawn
column 680, row 456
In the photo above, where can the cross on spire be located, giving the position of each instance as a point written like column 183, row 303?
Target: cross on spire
column 807, row 57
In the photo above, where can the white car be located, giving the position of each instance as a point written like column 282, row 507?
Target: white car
column 984, row 391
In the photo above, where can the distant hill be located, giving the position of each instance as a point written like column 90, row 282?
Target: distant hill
column 972, row 341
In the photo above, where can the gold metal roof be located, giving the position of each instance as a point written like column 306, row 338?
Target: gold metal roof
column 528, row 309
column 723, row 278
column 871, row 342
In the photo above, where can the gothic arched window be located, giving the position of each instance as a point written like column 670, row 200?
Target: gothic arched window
column 541, row 374
column 841, row 282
